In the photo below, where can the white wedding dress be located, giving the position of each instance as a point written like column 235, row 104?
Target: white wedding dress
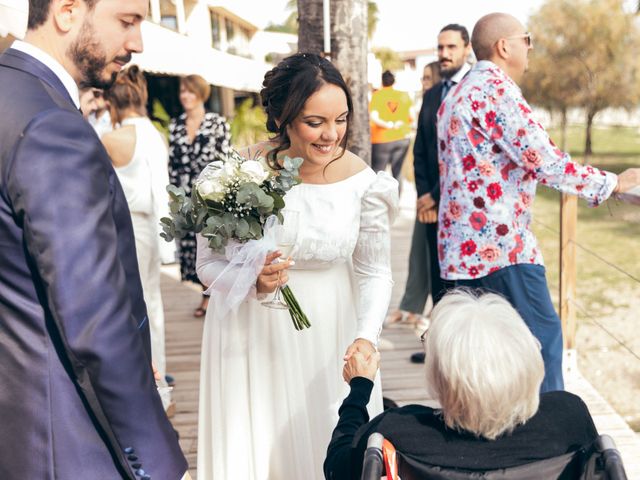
column 269, row 395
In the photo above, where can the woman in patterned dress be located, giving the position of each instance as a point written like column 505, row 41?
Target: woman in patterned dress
column 196, row 138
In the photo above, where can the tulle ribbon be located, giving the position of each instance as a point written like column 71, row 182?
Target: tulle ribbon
column 246, row 261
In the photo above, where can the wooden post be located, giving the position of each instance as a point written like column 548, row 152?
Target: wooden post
column 568, row 268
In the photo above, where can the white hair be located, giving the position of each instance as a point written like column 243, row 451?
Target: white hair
column 482, row 364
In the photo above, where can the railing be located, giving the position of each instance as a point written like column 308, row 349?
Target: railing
column 569, row 305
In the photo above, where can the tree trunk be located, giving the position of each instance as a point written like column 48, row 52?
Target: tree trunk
column 588, row 149
column 349, row 55
column 310, row 22
column 563, row 130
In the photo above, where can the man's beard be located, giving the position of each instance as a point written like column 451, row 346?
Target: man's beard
column 90, row 59
column 449, row 72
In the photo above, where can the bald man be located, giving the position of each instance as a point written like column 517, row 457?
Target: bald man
column 492, row 155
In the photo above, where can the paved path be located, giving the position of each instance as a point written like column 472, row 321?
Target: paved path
column 401, row 380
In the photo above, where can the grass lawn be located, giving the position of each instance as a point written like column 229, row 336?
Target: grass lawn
column 609, row 298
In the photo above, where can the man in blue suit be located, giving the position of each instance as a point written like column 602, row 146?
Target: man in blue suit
column 78, row 398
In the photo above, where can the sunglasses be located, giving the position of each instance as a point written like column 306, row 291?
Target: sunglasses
column 423, row 337
column 527, row 38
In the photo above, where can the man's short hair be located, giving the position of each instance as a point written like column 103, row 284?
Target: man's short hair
column 39, row 11
column 458, row 28
column 482, row 364
column 388, row 78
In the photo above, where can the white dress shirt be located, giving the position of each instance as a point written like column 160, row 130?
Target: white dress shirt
column 55, row 66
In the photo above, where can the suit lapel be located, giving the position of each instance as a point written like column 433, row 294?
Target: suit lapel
column 18, row 60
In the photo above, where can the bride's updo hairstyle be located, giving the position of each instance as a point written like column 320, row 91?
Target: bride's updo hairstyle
column 286, row 89
column 129, row 91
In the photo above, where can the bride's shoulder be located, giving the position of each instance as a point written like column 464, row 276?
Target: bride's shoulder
column 257, row 150
column 352, row 164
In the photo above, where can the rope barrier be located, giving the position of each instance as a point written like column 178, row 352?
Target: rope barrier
column 583, row 310
column 597, row 323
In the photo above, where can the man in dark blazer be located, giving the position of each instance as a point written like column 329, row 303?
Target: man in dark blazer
column 453, row 50
column 78, row 397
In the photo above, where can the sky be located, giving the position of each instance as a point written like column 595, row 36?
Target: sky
column 403, row 24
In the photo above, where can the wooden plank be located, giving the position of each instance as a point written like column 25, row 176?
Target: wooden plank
column 568, row 268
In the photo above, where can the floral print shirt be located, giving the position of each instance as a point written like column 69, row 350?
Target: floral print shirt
column 492, row 155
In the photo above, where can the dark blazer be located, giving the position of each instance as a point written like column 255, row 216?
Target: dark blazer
column 425, row 148
column 77, row 395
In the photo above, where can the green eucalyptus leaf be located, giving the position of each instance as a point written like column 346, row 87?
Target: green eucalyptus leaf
column 254, row 228
column 242, row 229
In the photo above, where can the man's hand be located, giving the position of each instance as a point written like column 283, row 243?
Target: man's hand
column 359, row 345
column 627, row 180
column 425, row 201
column 273, row 274
column 360, row 365
column 428, row 215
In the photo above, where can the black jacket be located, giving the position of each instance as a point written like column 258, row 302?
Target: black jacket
column 425, row 149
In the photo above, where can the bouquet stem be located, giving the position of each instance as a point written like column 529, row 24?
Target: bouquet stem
column 300, row 320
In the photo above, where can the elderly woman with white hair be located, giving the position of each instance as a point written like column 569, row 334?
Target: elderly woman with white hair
column 484, row 367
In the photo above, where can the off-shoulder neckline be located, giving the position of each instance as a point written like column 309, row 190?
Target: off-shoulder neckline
column 365, row 169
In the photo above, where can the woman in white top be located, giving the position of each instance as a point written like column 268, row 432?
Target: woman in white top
column 140, row 156
column 269, row 395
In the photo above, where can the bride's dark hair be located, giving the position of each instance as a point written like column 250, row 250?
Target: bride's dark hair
column 286, row 88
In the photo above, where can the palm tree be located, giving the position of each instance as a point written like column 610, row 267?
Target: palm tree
column 348, row 52
column 372, row 18
column 290, row 25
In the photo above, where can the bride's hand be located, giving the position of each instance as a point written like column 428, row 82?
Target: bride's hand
column 273, row 274
column 360, row 345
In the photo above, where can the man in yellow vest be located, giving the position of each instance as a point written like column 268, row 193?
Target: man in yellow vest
column 390, row 114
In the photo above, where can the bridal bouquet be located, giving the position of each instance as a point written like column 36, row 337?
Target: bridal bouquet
column 233, row 204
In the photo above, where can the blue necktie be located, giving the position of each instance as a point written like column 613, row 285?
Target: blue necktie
column 446, row 86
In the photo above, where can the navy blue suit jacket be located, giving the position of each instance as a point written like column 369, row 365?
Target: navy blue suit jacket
column 425, row 148
column 77, row 395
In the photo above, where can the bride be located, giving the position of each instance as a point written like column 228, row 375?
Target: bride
column 269, row 395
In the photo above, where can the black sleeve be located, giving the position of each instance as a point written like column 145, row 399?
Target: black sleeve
column 435, row 192
column 420, row 150
column 353, row 414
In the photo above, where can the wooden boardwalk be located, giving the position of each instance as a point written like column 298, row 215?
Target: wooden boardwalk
column 402, row 381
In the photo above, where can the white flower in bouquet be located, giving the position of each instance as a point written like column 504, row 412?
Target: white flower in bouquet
column 211, row 190
column 253, row 171
column 231, row 203
column 230, row 171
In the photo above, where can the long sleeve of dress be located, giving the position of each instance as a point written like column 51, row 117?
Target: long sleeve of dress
column 372, row 256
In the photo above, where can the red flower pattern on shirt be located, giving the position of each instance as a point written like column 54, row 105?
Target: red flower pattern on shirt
column 492, row 154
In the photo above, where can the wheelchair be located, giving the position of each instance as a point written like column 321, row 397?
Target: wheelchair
column 598, row 461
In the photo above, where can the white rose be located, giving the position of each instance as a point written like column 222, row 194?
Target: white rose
column 210, row 190
column 254, row 171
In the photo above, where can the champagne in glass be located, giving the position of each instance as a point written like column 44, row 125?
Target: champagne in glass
column 286, row 235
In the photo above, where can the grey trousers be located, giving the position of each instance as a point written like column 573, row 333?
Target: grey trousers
column 394, row 153
column 424, row 270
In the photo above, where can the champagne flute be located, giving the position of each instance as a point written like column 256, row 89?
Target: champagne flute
column 286, row 235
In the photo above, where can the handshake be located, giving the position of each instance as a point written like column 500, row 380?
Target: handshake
column 361, row 360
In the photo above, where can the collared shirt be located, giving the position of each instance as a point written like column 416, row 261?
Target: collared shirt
column 454, row 80
column 55, row 66
column 492, row 154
